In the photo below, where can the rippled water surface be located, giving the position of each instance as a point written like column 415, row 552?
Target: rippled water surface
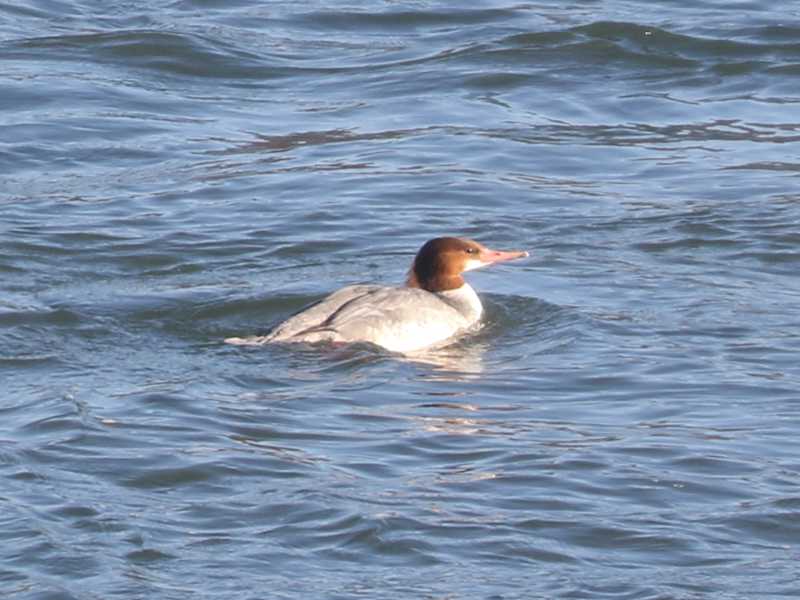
column 624, row 425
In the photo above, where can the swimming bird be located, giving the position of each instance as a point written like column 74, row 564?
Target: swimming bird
column 435, row 304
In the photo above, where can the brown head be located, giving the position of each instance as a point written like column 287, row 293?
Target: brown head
column 441, row 261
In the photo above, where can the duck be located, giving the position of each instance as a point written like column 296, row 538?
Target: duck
column 432, row 309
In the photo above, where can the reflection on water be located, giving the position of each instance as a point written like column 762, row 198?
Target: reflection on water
column 462, row 360
column 457, row 361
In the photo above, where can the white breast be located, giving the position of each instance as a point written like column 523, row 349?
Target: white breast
column 466, row 301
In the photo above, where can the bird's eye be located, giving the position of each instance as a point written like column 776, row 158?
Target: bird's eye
column 470, row 250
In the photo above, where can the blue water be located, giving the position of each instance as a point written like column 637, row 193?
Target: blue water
column 624, row 425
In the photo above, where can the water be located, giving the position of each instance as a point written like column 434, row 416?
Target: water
column 623, row 426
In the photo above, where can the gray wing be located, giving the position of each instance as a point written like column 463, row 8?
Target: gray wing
column 308, row 317
column 317, row 314
column 395, row 318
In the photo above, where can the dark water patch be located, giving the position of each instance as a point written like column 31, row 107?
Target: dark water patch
column 618, row 44
column 582, row 54
column 296, row 140
column 176, row 477
column 23, row 358
column 688, row 244
column 174, row 53
column 770, row 258
column 255, row 435
column 768, row 527
column 403, row 20
column 148, row 555
column 774, row 32
column 767, row 166
column 27, row 248
column 744, row 68
column 383, row 538
column 656, row 40
column 792, row 69
column 642, row 134
column 716, row 465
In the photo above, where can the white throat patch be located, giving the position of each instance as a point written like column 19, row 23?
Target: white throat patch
column 473, row 263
